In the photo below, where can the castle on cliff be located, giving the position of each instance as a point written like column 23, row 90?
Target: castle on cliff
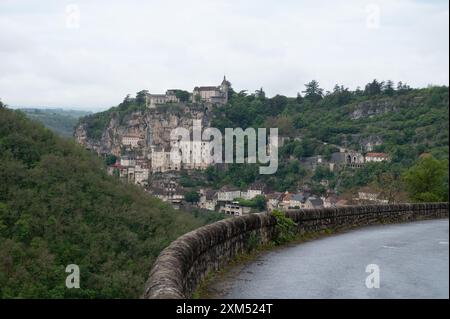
column 206, row 94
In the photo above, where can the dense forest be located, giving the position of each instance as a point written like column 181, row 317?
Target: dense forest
column 59, row 207
column 58, row 120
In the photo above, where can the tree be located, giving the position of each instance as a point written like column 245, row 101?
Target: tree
column 141, row 97
column 388, row 88
column 110, row 159
column 373, row 88
column 192, row 197
column 279, row 102
column 427, row 181
column 260, row 94
column 391, row 187
column 260, row 202
column 313, row 92
column 283, row 123
column 183, row 96
column 127, row 100
column 402, row 87
column 61, row 207
column 340, row 95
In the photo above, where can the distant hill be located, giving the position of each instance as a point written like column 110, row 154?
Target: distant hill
column 58, row 207
column 58, row 120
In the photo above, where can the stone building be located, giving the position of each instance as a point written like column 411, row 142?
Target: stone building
column 212, row 94
column 234, row 209
column 228, row 193
column 208, row 199
column 168, row 191
column 161, row 161
column 369, row 195
column 141, row 175
column 192, row 155
column 131, row 140
column 254, row 190
column 376, row 157
column 348, row 158
column 313, row 202
column 152, row 100
column 273, row 200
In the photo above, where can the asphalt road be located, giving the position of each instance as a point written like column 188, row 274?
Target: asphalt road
column 412, row 259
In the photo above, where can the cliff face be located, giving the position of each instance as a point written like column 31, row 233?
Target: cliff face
column 153, row 126
column 381, row 106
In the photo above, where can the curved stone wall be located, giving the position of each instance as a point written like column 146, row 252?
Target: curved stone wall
column 184, row 264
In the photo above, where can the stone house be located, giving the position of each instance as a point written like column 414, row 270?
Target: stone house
column 376, row 157
column 369, row 195
column 313, row 202
column 228, row 194
column 168, row 191
column 127, row 161
column 292, row 201
column 141, row 175
column 208, row 199
column 330, row 201
column 273, row 200
column 348, row 158
column 235, row 209
column 254, row 190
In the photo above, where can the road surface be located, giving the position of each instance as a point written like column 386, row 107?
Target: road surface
column 412, row 259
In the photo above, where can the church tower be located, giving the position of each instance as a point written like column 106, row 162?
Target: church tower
column 225, row 87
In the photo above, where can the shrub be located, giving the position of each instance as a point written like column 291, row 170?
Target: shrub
column 285, row 228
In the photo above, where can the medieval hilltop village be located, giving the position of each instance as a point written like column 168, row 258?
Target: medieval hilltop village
column 143, row 158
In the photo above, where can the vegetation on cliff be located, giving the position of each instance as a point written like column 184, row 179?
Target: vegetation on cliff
column 59, row 207
column 396, row 119
column 405, row 122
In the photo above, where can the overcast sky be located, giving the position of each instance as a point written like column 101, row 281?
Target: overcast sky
column 52, row 56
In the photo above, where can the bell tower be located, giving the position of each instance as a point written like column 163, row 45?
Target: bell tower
column 225, row 88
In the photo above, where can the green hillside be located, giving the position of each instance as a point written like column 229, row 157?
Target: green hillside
column 407, row 121
column 59, row 207
column 58, row 120
column 401, row 121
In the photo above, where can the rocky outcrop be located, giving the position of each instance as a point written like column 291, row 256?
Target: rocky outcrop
column 185, row 263
column 153, row 126
column 371, row 108
column 381, row 106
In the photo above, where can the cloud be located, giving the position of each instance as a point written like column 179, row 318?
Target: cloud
column 122, row 47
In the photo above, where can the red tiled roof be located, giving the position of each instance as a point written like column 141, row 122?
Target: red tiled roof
column 377, row 155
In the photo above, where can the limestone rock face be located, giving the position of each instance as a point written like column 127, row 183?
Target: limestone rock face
column 380, row 106
column 371, row 108
column 152, row 126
